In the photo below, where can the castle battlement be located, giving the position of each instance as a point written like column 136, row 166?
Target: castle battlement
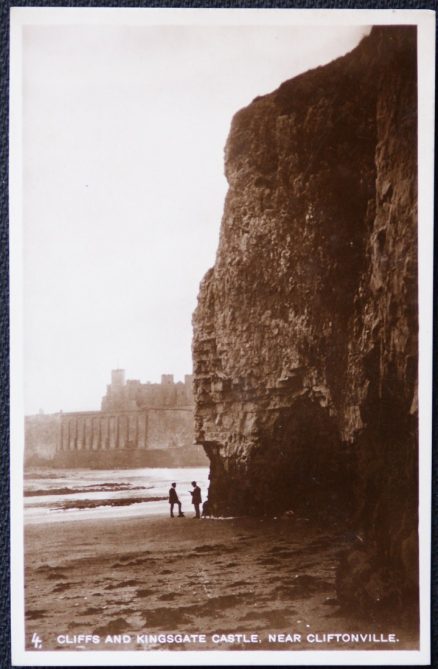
column 131, row 394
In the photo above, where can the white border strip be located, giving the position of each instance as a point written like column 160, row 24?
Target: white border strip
column 16, row 336
column 426, row 135
column 217, row 16
column 191, row 658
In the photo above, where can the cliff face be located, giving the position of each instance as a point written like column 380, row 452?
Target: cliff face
column 41, row 438
column 305, row 334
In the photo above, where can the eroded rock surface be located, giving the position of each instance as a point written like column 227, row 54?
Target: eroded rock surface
column 305, row 334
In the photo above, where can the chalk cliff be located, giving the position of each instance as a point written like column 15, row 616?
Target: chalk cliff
column 305, row 334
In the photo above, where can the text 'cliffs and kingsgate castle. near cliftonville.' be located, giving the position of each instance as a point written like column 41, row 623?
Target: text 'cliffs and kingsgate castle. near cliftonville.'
column 139, row 424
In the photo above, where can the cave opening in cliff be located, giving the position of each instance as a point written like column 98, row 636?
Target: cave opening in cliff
column 298, row 464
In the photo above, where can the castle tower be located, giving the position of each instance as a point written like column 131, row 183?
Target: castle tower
column 167, row 379
column 117, row 378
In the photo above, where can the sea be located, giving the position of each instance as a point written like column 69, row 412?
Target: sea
column 80, row 494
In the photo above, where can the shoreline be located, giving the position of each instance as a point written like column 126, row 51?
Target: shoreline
column 79, row 495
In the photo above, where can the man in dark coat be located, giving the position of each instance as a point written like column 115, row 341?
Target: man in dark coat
column 196, row 498
column 174, row 499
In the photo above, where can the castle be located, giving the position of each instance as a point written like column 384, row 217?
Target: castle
column 139, row 424
column 130, row 395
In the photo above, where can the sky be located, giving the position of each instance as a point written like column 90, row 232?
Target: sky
column 124, row 128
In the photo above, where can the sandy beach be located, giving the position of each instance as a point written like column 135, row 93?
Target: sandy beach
column 146, row 577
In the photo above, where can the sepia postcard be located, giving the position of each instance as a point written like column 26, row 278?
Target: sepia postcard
column 221, row 311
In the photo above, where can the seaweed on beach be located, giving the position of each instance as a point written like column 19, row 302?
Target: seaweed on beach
column 115, row 626
column 93, row 504
column 103, row 487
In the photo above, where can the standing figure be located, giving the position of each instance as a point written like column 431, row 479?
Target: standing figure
column 174, row 499
column 196, row 498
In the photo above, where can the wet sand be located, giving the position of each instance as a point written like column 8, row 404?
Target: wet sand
column 156, row 575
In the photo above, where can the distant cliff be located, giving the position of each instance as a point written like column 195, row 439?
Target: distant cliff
column 42, row 434
column 305, row 334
